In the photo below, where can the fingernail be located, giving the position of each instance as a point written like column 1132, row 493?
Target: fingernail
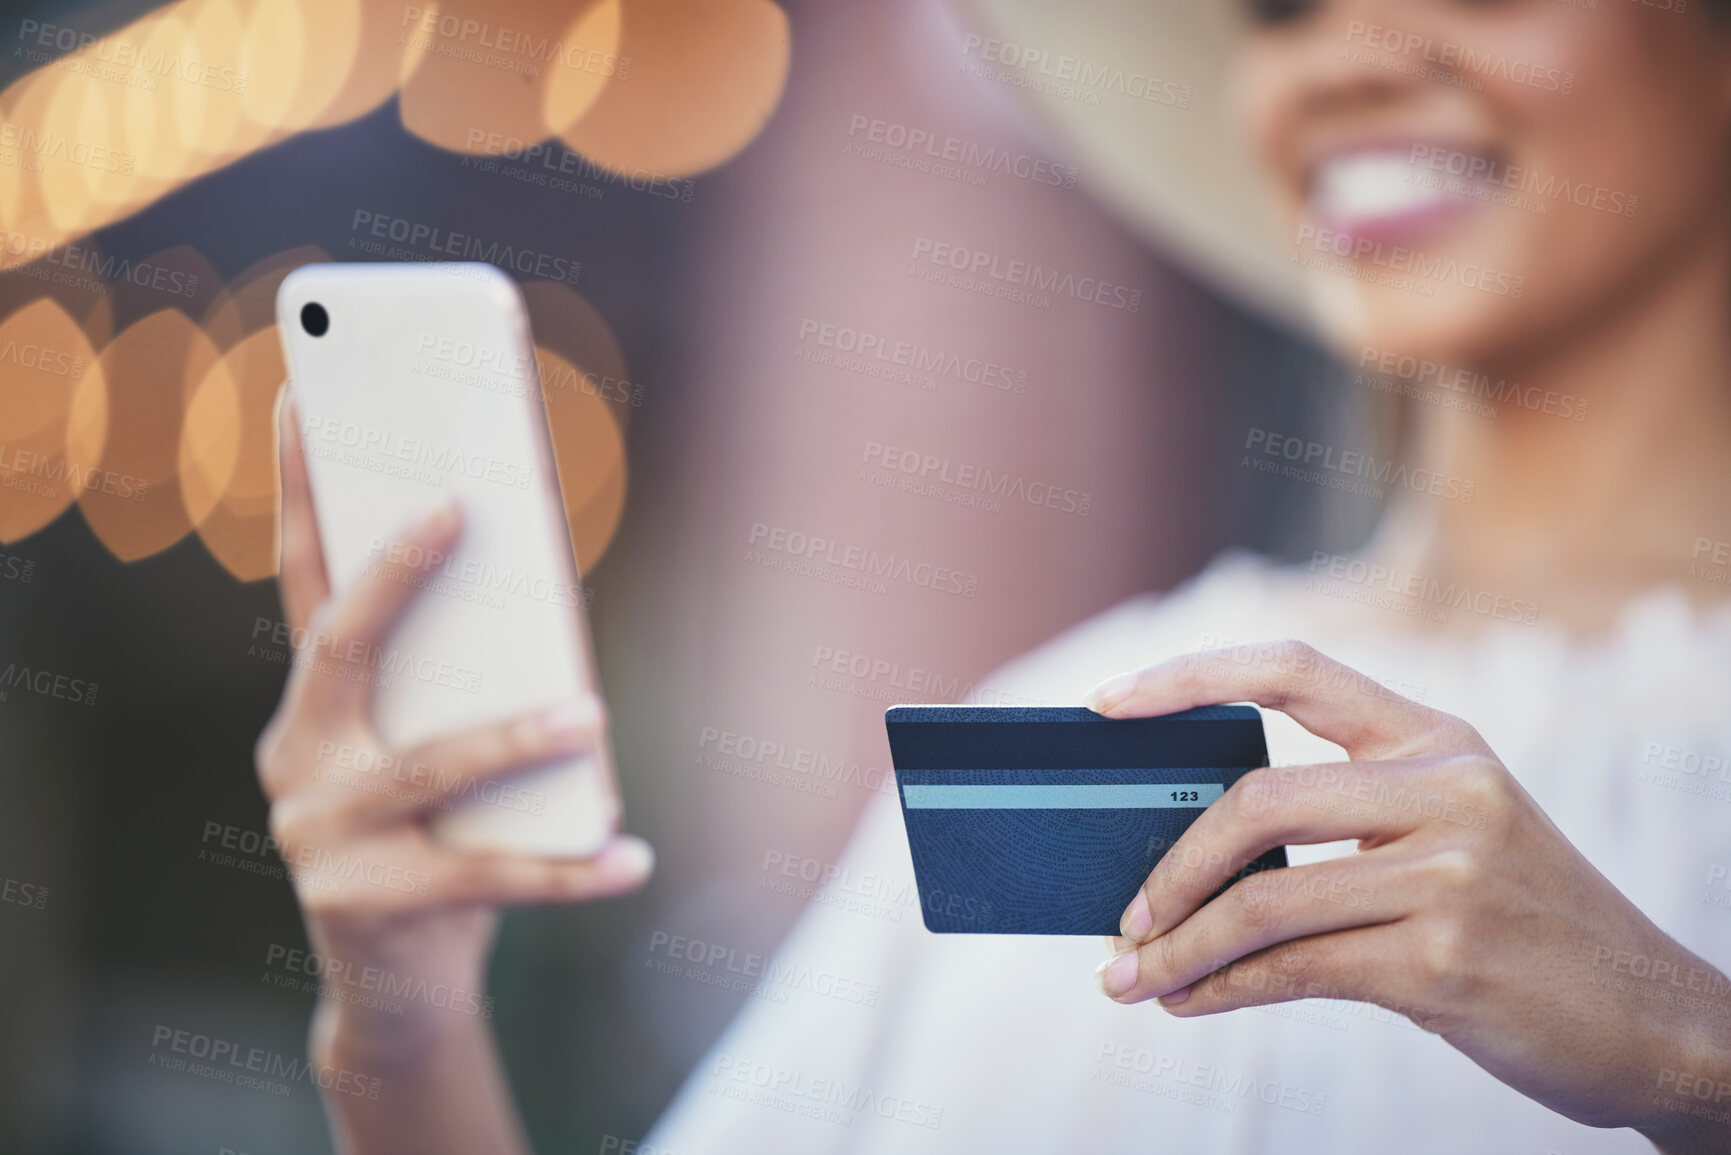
column 1117, row 974
column 570, row 720
column 1175, row 997
column 634, row 857
column 1138, row 920
column 1110, row 693
column 442, row 517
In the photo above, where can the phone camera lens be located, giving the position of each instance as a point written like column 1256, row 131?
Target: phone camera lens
column 314, row 319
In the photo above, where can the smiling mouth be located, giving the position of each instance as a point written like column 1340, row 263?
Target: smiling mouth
column 1390, row 193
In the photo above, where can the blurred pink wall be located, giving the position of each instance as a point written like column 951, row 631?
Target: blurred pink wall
column 801, row 232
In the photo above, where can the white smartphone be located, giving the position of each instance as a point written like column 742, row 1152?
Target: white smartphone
column 416, row 382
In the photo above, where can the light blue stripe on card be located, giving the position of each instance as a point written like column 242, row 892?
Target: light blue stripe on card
column 1090, row 796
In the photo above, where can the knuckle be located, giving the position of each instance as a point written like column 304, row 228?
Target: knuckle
column 1481, row 783
column 1453, row 871
column 441, row 882
column 340, row 907
column 1235, row 984
column 268, row 758
column 1159, row 961
column 516, row 742
column 1296, row 660
column 478, row 755
column 491, row 751
column 1459, row 730
column 1257, row 796
column 1271, row 975
column 1291, row 961
column 1454, row 733
column 1289, row 662
column 1444, row 956
column 321, row 904
column 1296, row 655
column 560, row 883
column 1260, row 902
column 1188, row 863
column 288, row 825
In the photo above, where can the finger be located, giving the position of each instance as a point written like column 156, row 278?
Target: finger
column 1330, row 700
column 406, row 871
column 1373, row 802
column 368, row 610
column 622, row 865
column 438, row 772
column 1266, row 908
column 1351, row 965
column 301, row 572
column 344, row 635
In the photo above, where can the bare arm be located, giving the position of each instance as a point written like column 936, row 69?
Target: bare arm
column 1465, row 908
column 401, row 1045
column 441, row 1087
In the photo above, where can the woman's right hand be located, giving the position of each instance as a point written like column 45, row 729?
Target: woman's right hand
column 376, row 888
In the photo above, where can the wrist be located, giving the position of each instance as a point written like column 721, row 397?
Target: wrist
column 427, row 1083
column 387, row 997
column 380, row 983
column 347, row 1038
column 1684, row 1086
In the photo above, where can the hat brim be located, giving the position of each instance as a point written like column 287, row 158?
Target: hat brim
column 1136, row 92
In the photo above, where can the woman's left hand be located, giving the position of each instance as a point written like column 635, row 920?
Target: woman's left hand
column 1464, row 909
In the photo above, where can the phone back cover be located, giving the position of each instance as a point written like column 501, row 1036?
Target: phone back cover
column 425, row 386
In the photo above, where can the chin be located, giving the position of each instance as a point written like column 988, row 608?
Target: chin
column 1453, row 325
column 1458, row 298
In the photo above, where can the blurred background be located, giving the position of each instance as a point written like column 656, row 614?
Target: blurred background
column 746, row 341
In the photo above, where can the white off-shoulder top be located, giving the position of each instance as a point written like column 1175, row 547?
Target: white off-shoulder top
column 1003, row 1044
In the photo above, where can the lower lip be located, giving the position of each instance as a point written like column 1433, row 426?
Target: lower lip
column 1404, row 226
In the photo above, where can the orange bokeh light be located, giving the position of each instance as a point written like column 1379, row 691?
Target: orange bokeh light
column 136, row 506
column 379, row 66
column 564, row 321
column 249, row 303
column 703, row 79
column 485, row 67
column 661, row 88
column 24, row 213
column 210, row 117
column 150, row 116
column 171, row 420
column 592, row 60
column 53, row 416
column 297, row 56
column 209, row 440
column 240, row 529
column 590, row 450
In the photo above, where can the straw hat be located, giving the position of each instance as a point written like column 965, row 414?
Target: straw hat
column 1134, row 90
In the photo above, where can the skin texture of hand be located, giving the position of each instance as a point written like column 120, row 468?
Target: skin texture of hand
column 380, row 895
column 1464, row 909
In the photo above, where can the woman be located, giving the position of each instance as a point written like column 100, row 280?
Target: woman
column 1505, row 896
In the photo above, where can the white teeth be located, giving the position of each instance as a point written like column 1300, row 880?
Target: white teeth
column 1371, row 185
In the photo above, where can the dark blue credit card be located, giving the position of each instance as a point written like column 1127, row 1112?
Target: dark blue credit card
column 1047, row 819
